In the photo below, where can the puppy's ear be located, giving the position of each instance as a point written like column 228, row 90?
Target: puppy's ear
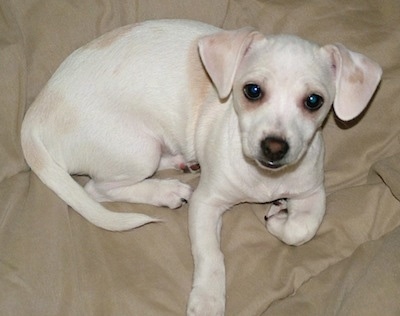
column 357, row 78
column 221, row 54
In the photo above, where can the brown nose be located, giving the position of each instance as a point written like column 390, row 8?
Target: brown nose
column 274, row 148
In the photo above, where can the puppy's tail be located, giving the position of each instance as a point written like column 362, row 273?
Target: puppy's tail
column 58, row 179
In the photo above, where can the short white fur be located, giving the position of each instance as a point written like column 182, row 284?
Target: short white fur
column 163, row 94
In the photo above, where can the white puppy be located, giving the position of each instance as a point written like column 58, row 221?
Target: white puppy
column 164, row 94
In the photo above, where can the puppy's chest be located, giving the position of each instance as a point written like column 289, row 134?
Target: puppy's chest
column 263, row 189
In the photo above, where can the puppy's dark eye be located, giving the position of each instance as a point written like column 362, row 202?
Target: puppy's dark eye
column 313, row 102
column 252, row 91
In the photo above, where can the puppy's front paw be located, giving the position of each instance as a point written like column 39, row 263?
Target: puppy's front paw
column 292, row 230
column 277, row 209
column 202, row 303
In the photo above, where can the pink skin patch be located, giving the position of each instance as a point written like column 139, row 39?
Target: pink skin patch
column 190, row 167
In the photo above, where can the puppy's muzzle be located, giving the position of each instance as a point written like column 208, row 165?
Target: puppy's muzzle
column 274, row 149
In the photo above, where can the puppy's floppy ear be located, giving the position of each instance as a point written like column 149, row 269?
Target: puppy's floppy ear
column 221, row 54
column 357, row 78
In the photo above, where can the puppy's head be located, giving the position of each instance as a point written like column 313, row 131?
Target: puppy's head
column 283, row 87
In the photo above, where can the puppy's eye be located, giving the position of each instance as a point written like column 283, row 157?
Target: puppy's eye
column 313, row 102
column 252, row 91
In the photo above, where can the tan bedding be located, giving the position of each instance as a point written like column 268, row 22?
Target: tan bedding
column 53, row 262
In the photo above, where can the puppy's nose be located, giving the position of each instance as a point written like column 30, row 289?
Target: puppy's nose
column 274, row 148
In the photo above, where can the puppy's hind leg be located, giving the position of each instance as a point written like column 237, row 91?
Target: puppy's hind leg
column 125, row 175
column 167, row 192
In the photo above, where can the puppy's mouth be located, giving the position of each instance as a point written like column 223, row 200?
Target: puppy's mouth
column 273, row 165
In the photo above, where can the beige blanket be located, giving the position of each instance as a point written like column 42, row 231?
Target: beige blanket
column 53, row 262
